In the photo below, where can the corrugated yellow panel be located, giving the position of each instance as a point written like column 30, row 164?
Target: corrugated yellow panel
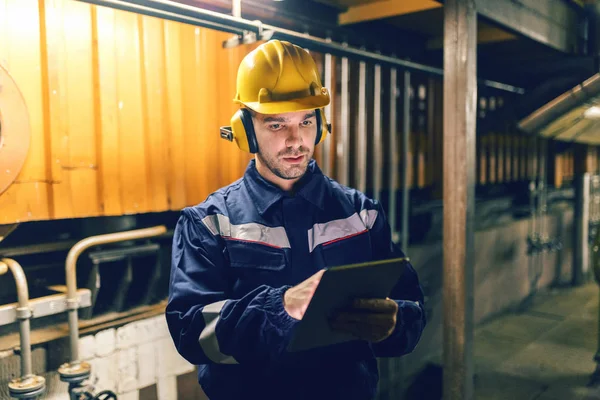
column 208, row 80
column 82, row 163
column 109, row 163
column 132, row 148
column 195, row 99
column 174, row 110
column 56, row 109
column 228, row 151
column 20, row 52
column 155, row 126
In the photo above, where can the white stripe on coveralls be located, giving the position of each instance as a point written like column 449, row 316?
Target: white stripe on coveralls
column 339, row 229
column 208, row 337
column 219, row 224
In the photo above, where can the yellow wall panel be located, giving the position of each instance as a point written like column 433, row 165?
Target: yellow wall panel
column 175, row 134
column 155, row 126
column 132, row 147
column 56, row 117
column 20, row 52
column 82, row 162
column 109, row 163
column 125, row 110
column 208, row 80
column 194, row 99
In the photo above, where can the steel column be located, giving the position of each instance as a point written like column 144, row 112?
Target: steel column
column 460, row 96
column 360, row 155
column 377, row 148
column 393, row 149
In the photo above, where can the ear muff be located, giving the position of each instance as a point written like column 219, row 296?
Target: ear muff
column 242, row 130
column 323, row 128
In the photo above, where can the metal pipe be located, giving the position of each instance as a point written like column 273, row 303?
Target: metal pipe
column 152, row 12
column 28, row 385
column 71, row 265
column 236, row 8
column 168, row 10
column 360, row 164
column 326, row 167
column 23, row 310
column 567, row 101
column 377, row 141
column 343, row 145
column 581, row 234
column 393, row 149
column 405, row 143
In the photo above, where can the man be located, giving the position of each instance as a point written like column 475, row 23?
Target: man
column 247, row 260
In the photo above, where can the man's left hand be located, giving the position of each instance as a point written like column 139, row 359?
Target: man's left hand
column 368, row 319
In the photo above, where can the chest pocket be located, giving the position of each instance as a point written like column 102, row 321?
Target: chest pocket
column 347, row 250
column 255, row 264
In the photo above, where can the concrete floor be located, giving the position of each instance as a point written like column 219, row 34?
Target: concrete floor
column 543, row 353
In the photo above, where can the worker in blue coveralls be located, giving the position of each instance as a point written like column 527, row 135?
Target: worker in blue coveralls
column 248, row 259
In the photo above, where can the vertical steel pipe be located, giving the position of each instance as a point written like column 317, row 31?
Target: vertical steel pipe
column 27, row 385
column 460, row 94
column 70, row 269
column 393, row 149
column 23, row 312
column 360, row 161
column 236, row 8
column 406, row 122
column 377, row 140
column 581, row 234
column 343, row 144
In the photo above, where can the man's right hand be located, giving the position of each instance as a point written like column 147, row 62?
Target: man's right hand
column 297, row 298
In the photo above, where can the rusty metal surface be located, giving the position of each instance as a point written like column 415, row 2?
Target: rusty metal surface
column 460, row 94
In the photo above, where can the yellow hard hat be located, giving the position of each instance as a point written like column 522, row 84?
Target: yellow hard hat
column 277, row 77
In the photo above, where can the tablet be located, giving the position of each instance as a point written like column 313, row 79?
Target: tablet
column 337, row 288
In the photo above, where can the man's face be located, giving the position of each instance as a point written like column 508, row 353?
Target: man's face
column 286, row 142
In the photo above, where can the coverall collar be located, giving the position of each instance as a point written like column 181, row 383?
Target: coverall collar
column 265, row 194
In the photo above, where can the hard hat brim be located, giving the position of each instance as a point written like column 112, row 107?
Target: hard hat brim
column 280, row 107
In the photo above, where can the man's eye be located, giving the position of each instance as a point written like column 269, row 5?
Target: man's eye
column 275, row 126
column 307, row 123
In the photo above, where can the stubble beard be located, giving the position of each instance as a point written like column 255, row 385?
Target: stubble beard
column 277, row 167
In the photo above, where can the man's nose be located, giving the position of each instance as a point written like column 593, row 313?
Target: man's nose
column 293, row 137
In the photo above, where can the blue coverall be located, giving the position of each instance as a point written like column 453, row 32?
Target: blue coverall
column 235, row 254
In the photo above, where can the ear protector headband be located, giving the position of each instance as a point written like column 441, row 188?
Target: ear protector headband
column 242, row 130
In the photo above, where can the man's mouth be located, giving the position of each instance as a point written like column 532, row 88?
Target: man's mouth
column 294, row 160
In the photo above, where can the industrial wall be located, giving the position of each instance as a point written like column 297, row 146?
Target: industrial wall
column 124, row 110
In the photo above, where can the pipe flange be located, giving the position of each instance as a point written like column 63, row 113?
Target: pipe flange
column 73, row 304
column 23, row 313
column 28, row 387
column 74, row 372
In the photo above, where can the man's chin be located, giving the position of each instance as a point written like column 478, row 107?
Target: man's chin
column 293, row 172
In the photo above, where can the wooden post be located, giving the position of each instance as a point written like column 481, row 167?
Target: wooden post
column 460, row 117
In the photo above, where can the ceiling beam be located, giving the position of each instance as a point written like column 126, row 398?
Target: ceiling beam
column 485, row 35
column 384, row 9
column 553, row 23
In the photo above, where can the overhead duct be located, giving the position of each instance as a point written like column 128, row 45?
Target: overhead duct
column 574, row 116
